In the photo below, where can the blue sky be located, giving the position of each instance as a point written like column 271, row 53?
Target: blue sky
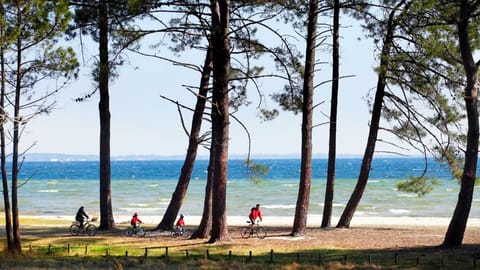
column 144, row 124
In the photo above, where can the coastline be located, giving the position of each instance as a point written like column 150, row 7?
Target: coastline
column 276, row 221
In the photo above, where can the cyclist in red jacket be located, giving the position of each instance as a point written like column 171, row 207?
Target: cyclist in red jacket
column 135, row 220
column 180, row 223
column 255, row 213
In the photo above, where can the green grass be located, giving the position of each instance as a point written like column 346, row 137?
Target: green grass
column 220, row 256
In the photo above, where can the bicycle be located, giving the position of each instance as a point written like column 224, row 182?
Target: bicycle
column 180, row 232
column 254, row 229
column 138, row 230
column 88, row 227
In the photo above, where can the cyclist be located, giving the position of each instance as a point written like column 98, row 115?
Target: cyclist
column 81, row 215
column 135, row 220
column 255, row 213
column 180, row 224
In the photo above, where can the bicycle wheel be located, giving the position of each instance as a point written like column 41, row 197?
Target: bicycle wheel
column 246, row 232
column 74, row 230
column 186, row 234
column 174, row 234
column 261, row 233
column 91, row 230
column 130, row 231
column 141, row 232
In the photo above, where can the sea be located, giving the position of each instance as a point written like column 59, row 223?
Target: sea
column 59, row 188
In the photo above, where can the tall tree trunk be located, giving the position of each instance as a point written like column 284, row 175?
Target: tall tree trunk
column 187, row 168
column 458, row 223
column 357, row 193
column 16, row 138
column 106, row 213
column 220, row 115
column 301, row 210
column 332, row 145
column 203, row 230
column 3, row 154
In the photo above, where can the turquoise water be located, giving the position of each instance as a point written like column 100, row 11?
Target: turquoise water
column 59, row 188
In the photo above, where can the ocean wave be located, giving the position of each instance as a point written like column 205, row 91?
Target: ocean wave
column 279, row 206
column 407, row 195
column 399, row 211
column 138, row 204
column 289, row 185
column 152, row 185
column 334, row 205
column 48, row 190
column 143, row 210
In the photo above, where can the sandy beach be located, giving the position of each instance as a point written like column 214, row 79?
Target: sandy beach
column 282, row 221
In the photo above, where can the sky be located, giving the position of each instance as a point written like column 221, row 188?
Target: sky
column 142, row 123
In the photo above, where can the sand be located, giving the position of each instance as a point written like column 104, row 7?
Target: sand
column 392, row 233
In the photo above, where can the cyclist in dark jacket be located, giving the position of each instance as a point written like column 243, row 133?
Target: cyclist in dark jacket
column 81, row 215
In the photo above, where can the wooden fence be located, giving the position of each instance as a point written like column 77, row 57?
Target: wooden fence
column 405, row 259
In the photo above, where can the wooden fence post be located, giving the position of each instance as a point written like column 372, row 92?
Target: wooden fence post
column 186, row 253
column 271, row 255
column 126, row 253
column 207, row 254
column 146, row 252
column 49, row 248
column 396, row 258
column 319, row 258
column 86, row 249
column 229, row 254
column 68, row 249
column 250, row 255
column 166, row 252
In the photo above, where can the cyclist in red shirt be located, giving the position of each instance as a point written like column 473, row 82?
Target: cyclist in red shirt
column 135, row 220
column 255, row 213
column 180, row 223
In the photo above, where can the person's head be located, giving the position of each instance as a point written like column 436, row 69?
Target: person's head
column 135, row 215
column 81, row 208
column 257, row 206
column 181, row 215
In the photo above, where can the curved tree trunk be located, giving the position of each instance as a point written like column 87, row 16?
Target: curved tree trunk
column 357, row 193
column 301, row 210
column 106, row 213
column 220, row 115
column 187, row 168
column 458, row 223
column 332, row 145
